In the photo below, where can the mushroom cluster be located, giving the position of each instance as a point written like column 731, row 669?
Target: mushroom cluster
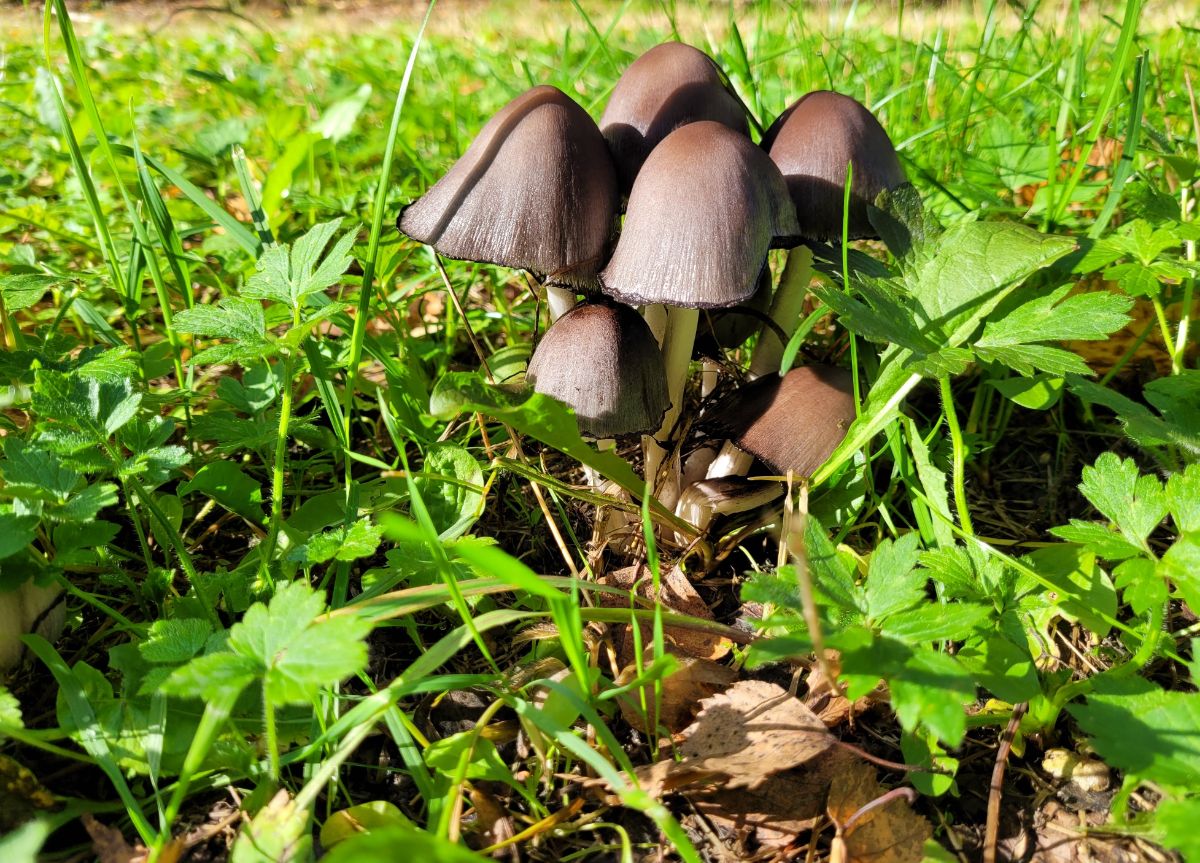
column 669, row 206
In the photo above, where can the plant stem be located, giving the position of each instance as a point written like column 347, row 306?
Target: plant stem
column 285, row 414
column 677, row 344
column 786, row 306
column 960, row 453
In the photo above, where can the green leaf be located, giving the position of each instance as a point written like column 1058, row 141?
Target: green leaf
column 288, row 277
column 228, row 485
column 212, row 677
column 85, row 505
column 451, row 484
column 1024, row 359
column 534, row 414
column 1135, row 504
column 175, row 641
column 1181, row 564
column 485, row 763
column 1039, row 392
column 1059, row 317
column 1148, row 733
column 10, row 709
column 22, row 290
column 1183, row 498
column 1141, row 424
column 904, row 224
column 33, row 473
column 1002, row 667
column 232, row 318
column 360, row 539
column 16, row 532
column 382, row 846
column 952, row 621
column 1084, row 590
column 1142, row 584
column 975, row 265
column 893, row 585
column 1177, row 819
column 23, row 844
column 338, row 119
column 1101, row 540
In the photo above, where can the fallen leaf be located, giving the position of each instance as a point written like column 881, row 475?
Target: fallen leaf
column 676, row 594
column 109, row 843
column 777, row 811
column 494, row 821
column 746, row 734
column 829, row 702
column 682, row 691
column 887, row 833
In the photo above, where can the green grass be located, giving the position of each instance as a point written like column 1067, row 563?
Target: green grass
column 308, row 507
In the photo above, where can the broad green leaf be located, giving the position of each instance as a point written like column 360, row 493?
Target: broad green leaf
column 1025, row 359
column 1059, row 317
column 382, row 846
column 1085, row 592
column 879, row 316
column 34, row 473
column 933, row 484
column 975, row 265
column 367, row 817
column 16, row 532
column 1001, row 667
column 833, row 580
column 213, row 677
column 1144, row 731
column 539, row 416
column 1100, row 539
column 359, row 539
column 1183, row 498
column 338, row 119
column 1141, row 584
column 228, row 485
column 1142, row 425
column 10, row 709
column 22, row 290
column 23, row 844
column 451, row 484
column 1135, row 504
column 175, row 641
column 85, row 505
column 893, row 585
column 951, row 621
column 231, row 318
column 932, row 689
column 1181, row 564
column 1039, row 392
column 288, row 276
column 278, row 833
column 442, row 756
column 1177, row 820
column 906, row 227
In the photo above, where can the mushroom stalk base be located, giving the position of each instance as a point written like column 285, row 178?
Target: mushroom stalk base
column 730, row 461
column 785, row 312
column 677, row 343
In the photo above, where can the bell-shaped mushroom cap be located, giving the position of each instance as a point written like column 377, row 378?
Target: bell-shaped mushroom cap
column 791, row 423
column 602, row 360
column 667, row 87
column 812, row 142
column 704, row 210
column 536, row 190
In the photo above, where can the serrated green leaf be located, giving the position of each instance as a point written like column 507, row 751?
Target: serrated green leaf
column 1135, row 279
column 485, row 763
column 212, row 677
column 1084, row 590
column 451, row 484
column 1059, row 317
column 289, row 276
column 1039, row 392
column 232, row 318
column 879, row 316
column 1026, row 359
column 22, row 290
column 951, row 621
column 85, row 505
column 360, row 539
column 175, row 641
column 1136, row 504
column 833, row 580
column 1183, row 498
column 1181, row 564
column 1141, row 424
column 906, row 227
column 380, row 846
column 893, row 585
column 974, row 267
column 1100, row 539
column 1141, row 584
column 32, row 472
column 1002, row 667
column 16, row 532
column 1148, row 733
column 1177, row 820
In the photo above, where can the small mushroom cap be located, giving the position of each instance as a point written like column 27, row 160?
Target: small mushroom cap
column 602, row 360
column 812, row 142
column 536, row 190
column 704, row 211
column 669, row 86
column 792, row 422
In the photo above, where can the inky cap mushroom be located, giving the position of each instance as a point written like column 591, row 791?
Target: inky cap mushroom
column 812, row 142
column 602, row 360
column 667, row 87
column 535, row 190
column 791, row 423
column 704, row 210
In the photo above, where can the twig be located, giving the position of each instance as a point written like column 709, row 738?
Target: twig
column 996, row 787
column 794, row 517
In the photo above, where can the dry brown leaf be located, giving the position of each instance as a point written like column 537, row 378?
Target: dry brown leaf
column 888, row 833
column 829, row 703
column 495, row 822
column 109, row 843
column 694, row 680
column 777, row 811
column 676, row 594
column 746, row 734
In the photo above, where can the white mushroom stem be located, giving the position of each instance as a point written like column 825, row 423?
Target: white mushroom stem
column 710, row 375
column 701, row 502
column 678, row 341
column 559, row 300
column 696, row 466
column 730, row 461
column 786, row 306
column 594, row 479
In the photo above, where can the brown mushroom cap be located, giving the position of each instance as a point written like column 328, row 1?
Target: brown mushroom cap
column 792, row 422
column 602, row 360
column 812, row 142
column 536, row 190
column 703, row 213
column 667, row 87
